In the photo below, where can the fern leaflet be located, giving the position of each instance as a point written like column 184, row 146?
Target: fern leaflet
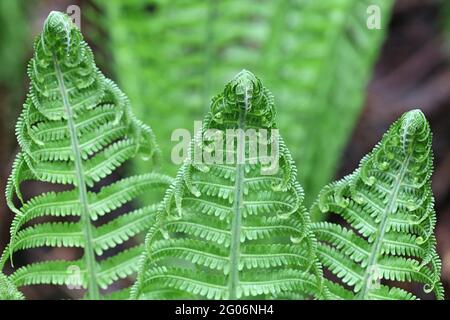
column 75, row 129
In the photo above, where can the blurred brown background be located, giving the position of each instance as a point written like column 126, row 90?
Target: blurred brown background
column 412, row 71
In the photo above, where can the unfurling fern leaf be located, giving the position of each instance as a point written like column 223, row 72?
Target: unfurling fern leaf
column 231, row 229
column 75, row 129
column 388, row 205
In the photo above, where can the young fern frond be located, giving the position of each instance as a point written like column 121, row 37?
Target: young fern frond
column 76, row 128
column 388, row 206
column 232, row 229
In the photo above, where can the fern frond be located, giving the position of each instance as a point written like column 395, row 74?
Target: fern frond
column 387, row 204
column 230, row 231
column 77, row 128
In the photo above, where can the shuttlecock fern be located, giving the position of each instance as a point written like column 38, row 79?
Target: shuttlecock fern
column 75, row 129
column 232, row 230
column 388, row 206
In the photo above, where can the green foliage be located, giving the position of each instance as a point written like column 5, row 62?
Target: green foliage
column 173, row 55
column 232, row 230
column 13, row 41
column 76, row 129
column 223, row 230
column 388, row 206
column 7, row 290
column 339, row 51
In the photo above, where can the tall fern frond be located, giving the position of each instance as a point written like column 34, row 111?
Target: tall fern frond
column 301, row 49
column 76, row 129
column 232, row 229
column 387, row 205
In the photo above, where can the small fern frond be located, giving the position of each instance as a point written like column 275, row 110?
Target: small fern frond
column 76, row 129
column 231, row 230
column 387, row 204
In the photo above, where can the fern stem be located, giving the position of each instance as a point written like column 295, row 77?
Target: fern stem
column 93, row 290
column 238, row 204
column 383, row 223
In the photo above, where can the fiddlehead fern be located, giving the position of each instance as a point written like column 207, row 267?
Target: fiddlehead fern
column 388, row 205
column 232, row 230
column 75, row 129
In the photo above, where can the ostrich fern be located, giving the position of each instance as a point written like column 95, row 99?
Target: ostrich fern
column 301, row 48
column 388, row 206
column 228, row 231
column 75, row 129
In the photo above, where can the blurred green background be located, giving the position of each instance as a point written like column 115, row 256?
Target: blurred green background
column 337, row 83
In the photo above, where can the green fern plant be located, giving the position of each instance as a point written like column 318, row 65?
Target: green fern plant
column 301, row 48
column 76, row 129
column 228, row 231
column 387, row 204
